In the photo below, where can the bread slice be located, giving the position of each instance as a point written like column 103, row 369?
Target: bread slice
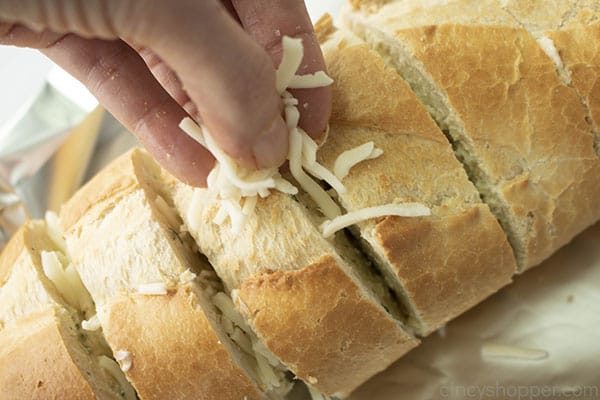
column 440, row 265
column 315, row 304
column 520, row 132
column 569, row 31
column 44, row 353
column 154, row 292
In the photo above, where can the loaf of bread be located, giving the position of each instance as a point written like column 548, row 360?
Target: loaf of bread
column 484, row 112
column 520, row 118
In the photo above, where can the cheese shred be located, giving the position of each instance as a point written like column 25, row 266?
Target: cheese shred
column 401, row 210
column 348, row 159
column 235, row 190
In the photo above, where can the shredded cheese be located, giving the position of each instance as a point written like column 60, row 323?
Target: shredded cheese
column 348, row 159
column 186, row 277
column 235, row 190
column 290, row 62
column 115, row 371
column 124, row 359
column 153, row 289
column 495, row 350
column 402, row 210
column 55, row 231
column 65, row 279
column 92, row 324
column 549, row 48
column 328, row 207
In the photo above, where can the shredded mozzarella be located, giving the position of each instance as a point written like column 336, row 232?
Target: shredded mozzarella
column 290, row 62
column 153, row 289
column 65, row 279
column 186, row 277
column 235, row 189
column 115, row 371
column 124, row 359
column 349, row 158
column 92, row 324
column 55, row 231
column 402, row 210
column 549, row 48
column 328, row 207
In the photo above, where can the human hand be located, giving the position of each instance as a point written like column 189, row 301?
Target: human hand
column 152, row 62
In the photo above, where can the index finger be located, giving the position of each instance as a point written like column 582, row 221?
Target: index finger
column 267, row 21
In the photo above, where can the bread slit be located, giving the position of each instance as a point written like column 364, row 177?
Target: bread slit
column 456, row 256
column 513, row 124
column 292, row 287
column 40, row 312
column 133, row 256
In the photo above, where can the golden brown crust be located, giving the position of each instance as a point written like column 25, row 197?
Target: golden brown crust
column 535, row 144
column 105, row 188
column 447, row 263
column 524, row 129
column 175, row 351
column 321, row 323
column 417, row 165
column 369, row 94
column 11, row 253
column 120, row 242
column 579, row 49
column 36, row 364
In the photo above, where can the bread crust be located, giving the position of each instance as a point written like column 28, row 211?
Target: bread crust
column 175, row 352
column 443, row 264
column 526, row 129
column 112, row 213
column 35, row 362
column 319, row 321
column 280, row 236
column 579, row 48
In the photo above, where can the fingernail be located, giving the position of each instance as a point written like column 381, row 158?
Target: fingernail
column 271, row 147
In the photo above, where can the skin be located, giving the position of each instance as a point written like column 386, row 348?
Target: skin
column 153, row 62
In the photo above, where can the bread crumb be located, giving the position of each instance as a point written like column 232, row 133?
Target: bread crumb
column 312, row 380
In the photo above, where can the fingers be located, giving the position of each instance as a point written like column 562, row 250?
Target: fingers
column 118, row 77
column 267, row 21
column 228, row 76
column 224, row 72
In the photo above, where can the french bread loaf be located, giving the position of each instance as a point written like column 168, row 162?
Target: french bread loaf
column 494, row 127
column 44, row 352
column 439, row 265
column 153, row 293
column 520, row 131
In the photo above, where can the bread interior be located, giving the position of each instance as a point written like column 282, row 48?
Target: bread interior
column 234, row 333
column 28, row 290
